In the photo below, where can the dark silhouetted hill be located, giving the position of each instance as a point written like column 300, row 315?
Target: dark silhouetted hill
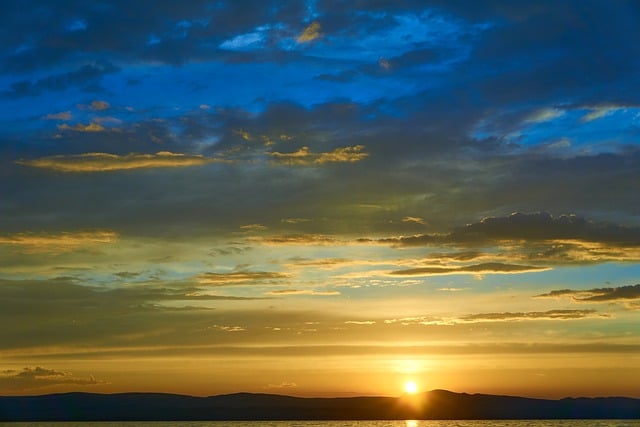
column 437, row 404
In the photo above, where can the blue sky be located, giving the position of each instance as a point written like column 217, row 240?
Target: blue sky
column 214, row 196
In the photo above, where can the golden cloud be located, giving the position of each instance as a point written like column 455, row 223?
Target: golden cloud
column 299, row 240
column 91, row 127
column 239, row 277
column 104, row 162
column 304, row 156
column 302, row 292
column 310, row 33
column 57, row 243
column 414, row 219
column 558, row 315
column 484, row 268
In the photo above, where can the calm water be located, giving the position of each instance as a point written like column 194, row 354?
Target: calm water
column 487, row 423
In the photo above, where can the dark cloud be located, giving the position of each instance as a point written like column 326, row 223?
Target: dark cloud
column 619, row 294
column 485, row 268
column 173, row 33
column 533, row 315
column 85, row 78
column 239, row 278
column 533, row 227
column 61, row 311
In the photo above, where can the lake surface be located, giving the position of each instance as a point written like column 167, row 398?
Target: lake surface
column 402, row 423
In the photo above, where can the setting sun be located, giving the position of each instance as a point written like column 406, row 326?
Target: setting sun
column 410, row 387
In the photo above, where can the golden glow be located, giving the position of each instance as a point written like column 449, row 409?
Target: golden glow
column 410, row 387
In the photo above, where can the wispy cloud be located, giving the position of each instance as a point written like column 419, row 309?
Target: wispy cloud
column 38, row 377
column 544, row 115
column 305, row 157
column 63, row 115
column 91, row 127
column 485, row 268
column 597, row 295
column 240, row 278
column 550, row 315
column 57, row 242
column 103, row 162
column 299, row 239
column 599, row 112
column 283, row 292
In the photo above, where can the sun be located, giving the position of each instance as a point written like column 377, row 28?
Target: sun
column 410, row 387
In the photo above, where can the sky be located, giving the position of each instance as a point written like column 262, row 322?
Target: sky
column 320, row 197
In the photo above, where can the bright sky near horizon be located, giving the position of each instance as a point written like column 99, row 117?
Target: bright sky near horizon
column 320, row 197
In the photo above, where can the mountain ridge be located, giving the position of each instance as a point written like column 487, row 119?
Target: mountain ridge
column 435, row 404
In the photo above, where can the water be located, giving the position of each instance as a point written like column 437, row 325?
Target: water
column 402, row 423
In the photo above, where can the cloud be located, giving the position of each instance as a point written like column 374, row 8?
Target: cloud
column 532, row 227
column 544, row 115
column 299, row 239
column 63, row 115
column 95, row 105
column 484, row 268
column 310, row 33
column 33, row 243
column 227, row 328
column 254, row 227
column 414, row 219
column 550, row 315
column 305, row 157
column 38, row 377
column 533, row 315
column 599, row 112
column 103, row 162
column 237, row 278
column 619, row 294
column 295, row 220
column 91, row 127
column 283, row 292
column 282, row 385
column 84, row 77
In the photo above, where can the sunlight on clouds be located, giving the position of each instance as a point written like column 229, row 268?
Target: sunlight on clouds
column 310, row 33
column 544, row 115
column 549, row 315
column 239, row 277
column 98, row 105
column 415, row 220
column 283, row 292
column 305, row 157
column 298, row 240
column 599, row 112
column 103, row 162
column 39, row 377
column 57, row 243
column 91, row 127
column 485, row 268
